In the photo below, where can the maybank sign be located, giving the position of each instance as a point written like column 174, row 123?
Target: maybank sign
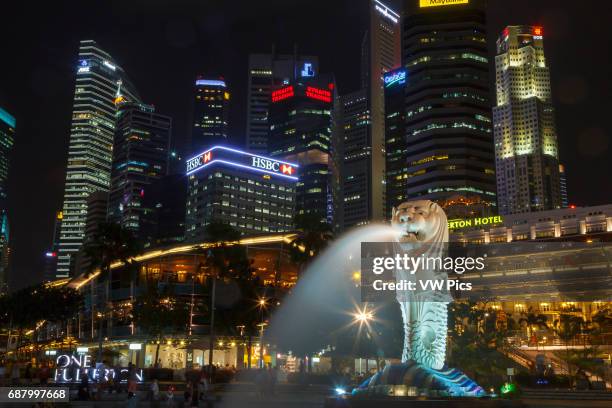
column 237, row 158
column 437, row 3
column 475, row 222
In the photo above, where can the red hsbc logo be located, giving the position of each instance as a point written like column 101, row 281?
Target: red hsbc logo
column 287, row 169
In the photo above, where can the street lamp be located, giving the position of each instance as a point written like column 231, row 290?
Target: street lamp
column 262, row 305
column 363, row 316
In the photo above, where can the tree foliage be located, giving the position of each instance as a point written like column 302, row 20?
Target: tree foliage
column 24, row 308
column 313, row 238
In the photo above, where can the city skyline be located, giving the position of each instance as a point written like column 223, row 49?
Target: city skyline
column 55, row 112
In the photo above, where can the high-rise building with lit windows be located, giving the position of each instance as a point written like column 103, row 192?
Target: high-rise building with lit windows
column 354, row 161
column 7, row 140
column 396, row 169
column 253, row 194
column 449, row 137
column 362, row 168
column 140, row 158
column 210, row 113
column 526, row 151
column 267, row 71
column 301, row 124
column 100, row 84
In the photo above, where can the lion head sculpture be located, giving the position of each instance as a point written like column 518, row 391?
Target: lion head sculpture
column 420, row 221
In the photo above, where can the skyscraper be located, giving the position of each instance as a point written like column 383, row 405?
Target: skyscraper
column 100, row 82
column 265, row 72
column 140, row 158
column 7, row 139
column 300, row 132
column 210, row 114
column 526, row 152
column 251, row 193
column 362, row 169
column 354, row 175
column 449, row 140
column 396, row 167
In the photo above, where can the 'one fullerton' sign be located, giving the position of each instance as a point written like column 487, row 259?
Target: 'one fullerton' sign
column 475, row 222
column 437, row 3
column 71, row 369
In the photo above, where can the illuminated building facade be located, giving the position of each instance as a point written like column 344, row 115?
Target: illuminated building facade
column 267, row 71
column 97, row 205
column 301, row 126
column 140, row 157
column 526, row 151
column 252, row 193
column 395, row 142
column 354, row 175
column 184, row 268
column 362, row 171
column 8, row 124
column 449, row 138
column 563, row 186
column 586, row 224
column 100, row 83
column 210, row 113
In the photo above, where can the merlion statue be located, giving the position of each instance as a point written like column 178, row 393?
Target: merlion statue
column 423, row 232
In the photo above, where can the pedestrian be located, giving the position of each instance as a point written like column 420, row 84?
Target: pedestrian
column 273, row 378
column 44, row 373
column 15, row 374
column 154, row 393
column 132, row 381
column 170, row 397
column 28, row 373
column 83, row 393
column 187, row 393
column 203, row 387
column 2, row 372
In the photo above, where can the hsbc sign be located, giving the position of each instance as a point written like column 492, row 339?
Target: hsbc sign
column 198, row 161
column 236, row 158
column 272, row 165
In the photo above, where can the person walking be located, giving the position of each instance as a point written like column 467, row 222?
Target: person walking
column 15, row 374
column 154, row 393
column 83, row 393
column 44, row 373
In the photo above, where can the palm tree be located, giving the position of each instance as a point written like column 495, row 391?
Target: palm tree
column 156, row 312
column 110, row 243
column 531, row 320
column 313, row 238
column 227, row 259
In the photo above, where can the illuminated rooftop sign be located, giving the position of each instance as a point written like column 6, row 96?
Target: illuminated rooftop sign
column 237, row 158
column 437, row 3
column 210, row 82
column 475, row 222
column 397, row 77
column 307, row 70
column 318, row 93
column 283, row 93
column 386, row 11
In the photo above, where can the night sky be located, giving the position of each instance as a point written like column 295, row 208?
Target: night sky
column 163, row 45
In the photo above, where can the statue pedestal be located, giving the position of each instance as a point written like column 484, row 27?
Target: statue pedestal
column 354, row 401
column 411, row 379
